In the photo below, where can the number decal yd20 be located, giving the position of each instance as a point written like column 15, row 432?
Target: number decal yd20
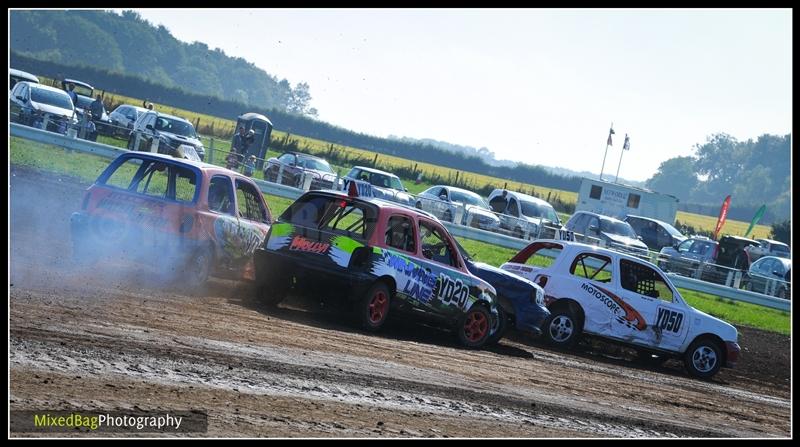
column 669, row 320
column 452, row 292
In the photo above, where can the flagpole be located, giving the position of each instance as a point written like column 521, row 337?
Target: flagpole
column 604, row 155
column 624, row 145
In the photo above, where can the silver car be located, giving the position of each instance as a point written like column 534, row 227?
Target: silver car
column 447, row 202
column 41, row 106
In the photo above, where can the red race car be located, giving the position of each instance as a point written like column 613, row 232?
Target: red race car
column 189, row 218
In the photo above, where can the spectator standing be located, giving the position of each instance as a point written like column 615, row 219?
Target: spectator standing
column 232, row 160
column 250, row 165
column 97, row 108
column 72, row 95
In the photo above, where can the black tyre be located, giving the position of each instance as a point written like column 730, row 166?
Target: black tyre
column 448, row 216
column 273, row 289
column 373, row 309
column 563, row 329
column 503, row 324
column 197, row 270
column 518, row 233
column 782, row 293
column 704, row 358
column 130, row 141
column 418, row 205
column 474, row 327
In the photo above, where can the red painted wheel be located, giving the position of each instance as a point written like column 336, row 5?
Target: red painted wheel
column 475, row 326
column 375, row 307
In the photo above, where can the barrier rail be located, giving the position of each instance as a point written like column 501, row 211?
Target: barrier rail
column 467, row 232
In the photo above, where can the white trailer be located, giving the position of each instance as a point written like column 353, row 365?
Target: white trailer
column 616, row 200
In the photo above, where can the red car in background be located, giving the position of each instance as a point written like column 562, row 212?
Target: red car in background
column 189, row 219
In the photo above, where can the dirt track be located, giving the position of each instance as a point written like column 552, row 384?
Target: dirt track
column 97, row 339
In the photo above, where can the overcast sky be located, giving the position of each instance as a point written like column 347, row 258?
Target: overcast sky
column 537, row 86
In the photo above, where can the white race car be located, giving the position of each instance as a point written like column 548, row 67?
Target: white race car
column 595, row 291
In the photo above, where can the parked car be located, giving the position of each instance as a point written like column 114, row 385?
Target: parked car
column 190, row 219
column 655, row 233
column 520, row 302
column 123, row 117
column 523, row 215
column 771, row 275
column 768, row 247
column 15, row 76
column 41, row 106
column 706, row 259
column 291, row 168
column 85, row 97
column 598, row 292
column 610, row 232
column 379, row 184
column 380, row 258
column 166, row 132
column 446, row 202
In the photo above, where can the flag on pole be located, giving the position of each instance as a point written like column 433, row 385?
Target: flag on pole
column 756, row 218
column 723, row 213
column 627, row 145
column 610, row 132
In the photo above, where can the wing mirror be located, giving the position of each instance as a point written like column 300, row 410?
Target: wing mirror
column 21, row 98
column 149, row 127
column 593, row 229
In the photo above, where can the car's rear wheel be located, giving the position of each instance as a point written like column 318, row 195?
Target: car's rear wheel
column 518, row 233
column 197, row 270
column 474, row 327
column 448, row 216
column 374, row 307
column 130, row 141
column 562, row 328
column 781, row 293
column 703, row 359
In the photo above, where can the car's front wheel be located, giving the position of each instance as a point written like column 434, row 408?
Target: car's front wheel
column 703, row 359
column 474, row 328
column 197, row 270
column 562, row 328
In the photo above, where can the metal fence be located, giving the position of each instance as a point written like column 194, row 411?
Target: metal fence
column 465, row 222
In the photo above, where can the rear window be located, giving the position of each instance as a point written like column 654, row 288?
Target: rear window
column 538, row 254
column 332, row 214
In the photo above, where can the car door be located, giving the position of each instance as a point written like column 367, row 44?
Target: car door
column 661, row 316
column 441, row 204
column 762, row 270
column 450, row 294
column 253, row 225
column 685, row 260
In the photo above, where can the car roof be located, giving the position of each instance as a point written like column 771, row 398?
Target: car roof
column 155, row 156
column 645, row 218
column 771, row 241
column 76, row 82
column 166, row 115
column 301, row 154
column 523, row 197
column 23, row 74
column 596, row 248
column 140, row 109
column 786, row 262
column 454, row 188
column 598, row 215
column 738, row 238
column 382, row 204
column 377, row 171
column 43, row 87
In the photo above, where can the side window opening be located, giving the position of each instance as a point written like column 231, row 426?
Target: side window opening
column 593, row 267
column 400, row 234
column 595, row 192
column 641, row 279
column 435, row 245
column 249, row 204
column 220, row 195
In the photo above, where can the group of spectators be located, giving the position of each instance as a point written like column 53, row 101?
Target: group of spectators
column 239, row 153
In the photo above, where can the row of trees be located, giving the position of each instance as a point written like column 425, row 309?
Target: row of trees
column 129, row 44
column 753, row 172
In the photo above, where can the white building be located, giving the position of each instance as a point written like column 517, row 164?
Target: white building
column 616, row 200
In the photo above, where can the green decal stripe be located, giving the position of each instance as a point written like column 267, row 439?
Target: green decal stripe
column 346, row 244
column 282, row 229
